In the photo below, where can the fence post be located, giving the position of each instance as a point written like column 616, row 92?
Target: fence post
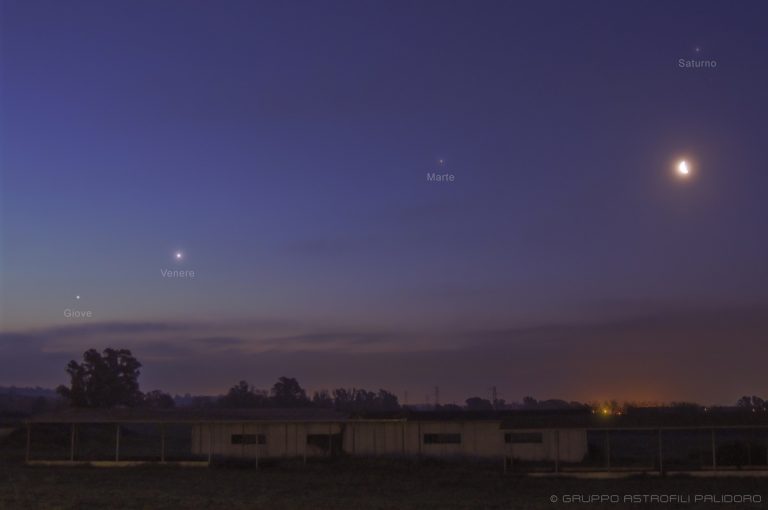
column 210, row 443
column 117, row 442
column 375, row 445
column 162, row 442
column 72, row 442
column 29, row 441
column 661, row 454
column 404, row 432
column 257, row 445
column 285, row 452
column 418, row 432
column 242, row 440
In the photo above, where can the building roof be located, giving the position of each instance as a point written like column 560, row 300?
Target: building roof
column 187, row 415
column 509, row 420
column 648, row 418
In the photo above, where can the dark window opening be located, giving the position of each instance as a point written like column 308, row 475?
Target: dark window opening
column 523, row 437
column 442, row 438
column 249, row 439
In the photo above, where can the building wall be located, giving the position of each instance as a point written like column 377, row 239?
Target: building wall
column 375, row 438
column 482, row 439
column 571, row 443
column 478, row 438
column 282, row 439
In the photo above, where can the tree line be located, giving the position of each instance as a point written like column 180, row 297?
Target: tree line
column 111, row 379
column 287, row 392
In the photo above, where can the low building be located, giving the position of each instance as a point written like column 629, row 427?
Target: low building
column 254, row 434
column 462, row 435
column 648, row 441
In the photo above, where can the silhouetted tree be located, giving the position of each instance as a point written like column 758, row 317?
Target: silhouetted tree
column 478, row 404
column 204, row 401
column 363, row 400
column 103, row 380
column 322, row 399
column 287, row 392
column 554, row 403
column 686, row 407
column 157, row 399
column 243, row 395
column 753, row 402
column 387, row 401
column 343, row 398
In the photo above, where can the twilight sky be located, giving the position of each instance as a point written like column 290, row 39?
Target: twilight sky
column 283, row 148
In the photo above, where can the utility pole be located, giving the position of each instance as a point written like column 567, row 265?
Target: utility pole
column 437, row 396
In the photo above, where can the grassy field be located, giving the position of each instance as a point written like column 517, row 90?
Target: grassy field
column 339, row 484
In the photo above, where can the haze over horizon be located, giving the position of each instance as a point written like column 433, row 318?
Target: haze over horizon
column 283, row 153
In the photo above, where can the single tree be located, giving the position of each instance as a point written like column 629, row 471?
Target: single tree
column 387, row 401
column 106, row 379
column 754, row 402
column 243, row 395
column 287, row 392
